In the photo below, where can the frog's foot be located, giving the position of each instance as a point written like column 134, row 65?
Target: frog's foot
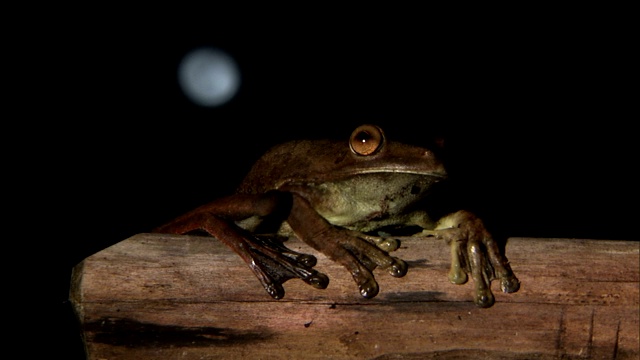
column 359, row 256
column 351, row 249
column 273, row 263
column 475, row 253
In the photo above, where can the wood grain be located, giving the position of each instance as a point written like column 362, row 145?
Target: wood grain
column 156, row 296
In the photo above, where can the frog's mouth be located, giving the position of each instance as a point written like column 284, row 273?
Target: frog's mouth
column 394, row 170
column 376, row 181
column 435, row 176
column 418, row 182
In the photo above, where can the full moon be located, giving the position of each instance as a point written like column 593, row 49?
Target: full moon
column 208, row 76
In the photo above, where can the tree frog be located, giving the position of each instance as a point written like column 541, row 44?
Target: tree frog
column 334, row 195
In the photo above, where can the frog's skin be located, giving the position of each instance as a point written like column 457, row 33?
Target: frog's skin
column 333, row 195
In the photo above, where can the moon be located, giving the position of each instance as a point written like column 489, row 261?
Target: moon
column 208, row 76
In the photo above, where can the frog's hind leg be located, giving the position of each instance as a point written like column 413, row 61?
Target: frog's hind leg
column 271, row 261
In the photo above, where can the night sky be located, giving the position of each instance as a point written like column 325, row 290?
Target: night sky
column 537, row 127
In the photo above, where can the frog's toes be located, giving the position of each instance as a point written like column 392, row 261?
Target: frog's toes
column 318, row 280
column 398, row 268
column 306, row 260
column 274, row 264
column 509, row 284
column 369, row 288
column 484, row 298
column 274, row 289
column 382, row 242
column 457, row 276
column 388, row 244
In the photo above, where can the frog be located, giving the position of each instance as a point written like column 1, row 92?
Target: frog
column 338, row 196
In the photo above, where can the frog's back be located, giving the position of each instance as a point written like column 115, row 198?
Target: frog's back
column 290, row 161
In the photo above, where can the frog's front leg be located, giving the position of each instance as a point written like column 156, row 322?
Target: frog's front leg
column 268, row 258
column 351, row 249
column 475, row 252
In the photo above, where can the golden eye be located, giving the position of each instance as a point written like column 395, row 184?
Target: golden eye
column 366, row 140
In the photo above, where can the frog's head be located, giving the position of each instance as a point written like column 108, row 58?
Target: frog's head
column 367, row 160
column 370, row 178
column 371, row 152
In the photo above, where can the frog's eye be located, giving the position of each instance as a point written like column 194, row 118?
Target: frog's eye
column 366, row 140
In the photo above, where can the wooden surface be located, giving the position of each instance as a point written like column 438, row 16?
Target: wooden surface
column 157, row 296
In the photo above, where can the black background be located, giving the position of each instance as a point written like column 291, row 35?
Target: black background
column 536, row 119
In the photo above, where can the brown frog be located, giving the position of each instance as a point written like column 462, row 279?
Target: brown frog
column 334, row 195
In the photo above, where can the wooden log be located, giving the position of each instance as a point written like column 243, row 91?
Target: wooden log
column 156, row 296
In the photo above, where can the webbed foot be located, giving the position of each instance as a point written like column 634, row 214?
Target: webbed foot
column 274, row 264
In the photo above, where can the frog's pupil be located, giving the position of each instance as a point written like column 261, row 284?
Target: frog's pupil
column 364, row 136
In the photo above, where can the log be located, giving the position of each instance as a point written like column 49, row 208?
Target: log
column 156, row 296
